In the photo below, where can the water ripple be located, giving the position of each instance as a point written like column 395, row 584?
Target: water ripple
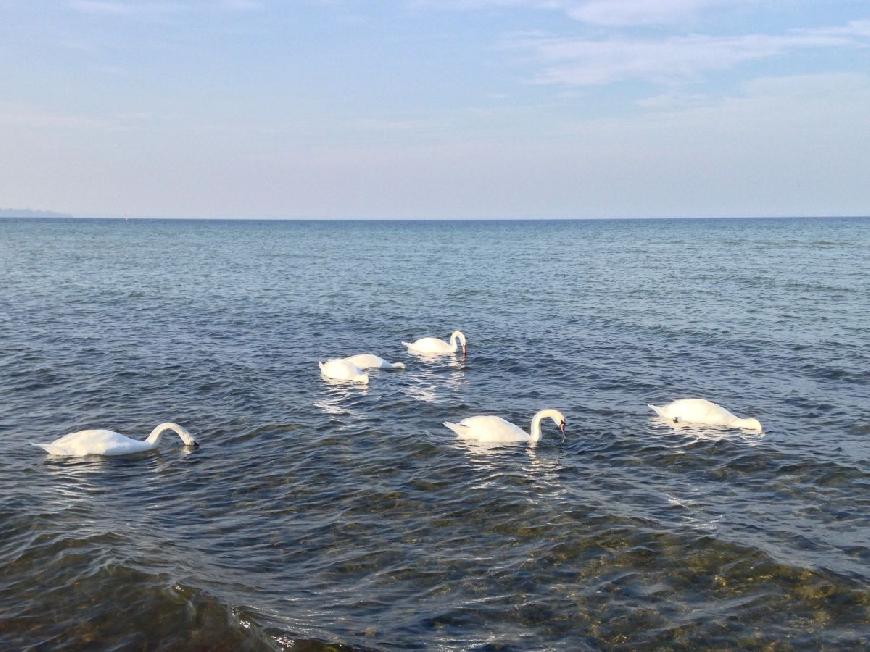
column 319, row 516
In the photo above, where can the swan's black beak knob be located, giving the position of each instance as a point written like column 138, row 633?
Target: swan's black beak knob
column 562, row 427
column 195, row 444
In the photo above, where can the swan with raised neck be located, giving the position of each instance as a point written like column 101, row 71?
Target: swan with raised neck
column 435, row 346
column 494, row 429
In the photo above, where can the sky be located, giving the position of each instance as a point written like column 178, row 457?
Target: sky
column 435, row 108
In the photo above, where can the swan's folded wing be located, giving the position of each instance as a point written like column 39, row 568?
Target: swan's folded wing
column 458, row 428
column 659, row 411
column 488, row 427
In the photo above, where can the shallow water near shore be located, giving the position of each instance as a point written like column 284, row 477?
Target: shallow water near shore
column 316, row 515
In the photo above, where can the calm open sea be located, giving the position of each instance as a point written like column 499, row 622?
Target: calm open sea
column 315, row 516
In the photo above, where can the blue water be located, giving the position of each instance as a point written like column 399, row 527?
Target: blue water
column 314, row 515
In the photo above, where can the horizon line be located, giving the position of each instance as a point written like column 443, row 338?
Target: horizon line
column 433, row 219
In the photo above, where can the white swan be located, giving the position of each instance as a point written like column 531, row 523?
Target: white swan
column 371, row 361
column 339, row 369
column 699, row 410
column 488, row 428
column 434, row 346
column 108, row 442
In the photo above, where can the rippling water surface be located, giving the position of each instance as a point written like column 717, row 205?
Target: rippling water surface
column 317, row 515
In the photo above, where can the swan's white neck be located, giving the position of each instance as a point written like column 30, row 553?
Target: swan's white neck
column 155, row 435
column 535, row 434
column 457, row 338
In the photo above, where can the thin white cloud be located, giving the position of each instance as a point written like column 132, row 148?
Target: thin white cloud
column 613, row 13
column 25, row 116
column 118, row 8
column 589, row 62
column 19, row 116
column 159, row 8
column 853, row 29
column 241, row 5
column 637, row 12
column 99, row 7
column 390, row 125
column 766, row 98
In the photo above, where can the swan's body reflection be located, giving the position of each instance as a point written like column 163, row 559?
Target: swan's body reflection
column 539, row 471
column 337, row 396
column 429, row 385
column 694, row 432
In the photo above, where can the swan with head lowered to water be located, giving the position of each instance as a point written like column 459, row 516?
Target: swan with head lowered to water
column 341, row 370
column 434, row 346
column 702, row 411
column 108, row 442
column 372, row 361
column 492, row 429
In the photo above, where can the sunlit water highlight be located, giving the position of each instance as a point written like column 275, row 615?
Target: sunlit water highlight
column 317, row 514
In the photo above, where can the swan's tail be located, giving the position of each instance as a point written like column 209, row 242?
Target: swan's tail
column 408, row 345
column 659, row 411
column 48, row 448
column 398, row 365
column 320, row 364
column 458, row 428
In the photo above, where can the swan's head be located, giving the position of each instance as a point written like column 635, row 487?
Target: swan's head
column 186, row 438
column 749, row 424
column 460, row 337
column 556, row 417
column 559, row 419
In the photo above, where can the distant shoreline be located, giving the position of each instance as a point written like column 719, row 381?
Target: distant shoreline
column 32, row 214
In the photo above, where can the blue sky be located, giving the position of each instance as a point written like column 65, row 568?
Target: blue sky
column 435, row 108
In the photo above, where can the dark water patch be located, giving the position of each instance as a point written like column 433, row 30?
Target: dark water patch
column 127, row 608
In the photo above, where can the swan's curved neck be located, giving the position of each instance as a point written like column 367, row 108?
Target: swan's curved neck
column 536, row 427
column 535, row 434
column 457, row 339
column 155, row 435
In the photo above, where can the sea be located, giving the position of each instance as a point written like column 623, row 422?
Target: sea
column 318, row 516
